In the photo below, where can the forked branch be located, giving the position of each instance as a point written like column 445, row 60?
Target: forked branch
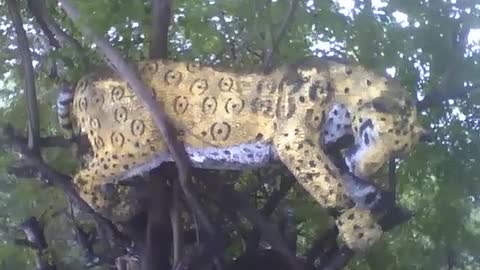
column 49, row 26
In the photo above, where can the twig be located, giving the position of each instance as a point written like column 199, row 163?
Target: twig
column 268, row 62
column 319, row 247
column 161, row 10
column 254, row 53
column 202, row 254
column 29, row 77
column 55, row 141
column 340, row 260
column 392, row 179
column 22, row 171
column 268, row 208
column 24, row 243
column 231, row 39
column 283, row 28
column 277, row 195
column 129, row 74
column 268, row 37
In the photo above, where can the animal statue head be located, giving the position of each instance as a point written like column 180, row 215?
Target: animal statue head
column 384, row 127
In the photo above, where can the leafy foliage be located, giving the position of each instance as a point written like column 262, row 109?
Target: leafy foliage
column 425, row 42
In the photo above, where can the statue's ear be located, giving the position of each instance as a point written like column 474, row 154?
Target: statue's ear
column 386, row 105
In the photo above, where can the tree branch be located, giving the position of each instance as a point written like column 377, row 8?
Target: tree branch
column 231, row 39
column 268, row 62
column 449, row 87
column 129, row 74
column 29, row 77
column 36, row 8
column 52, row 141
column 392, row 179
column 161, row 10
column 84, row 239
column 435, row 98
column 158, row 236
column 268, row 208
column 10, row 140
column 239, row 202
column 176, row 223
column 36, row 237
column 339, row 260
column 277, row 195
column 39, row 11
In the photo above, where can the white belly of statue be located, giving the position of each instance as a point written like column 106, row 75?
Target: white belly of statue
column 238, row 157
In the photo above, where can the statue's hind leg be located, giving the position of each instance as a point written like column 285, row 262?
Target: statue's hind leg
column 108, row 198
column 299, row 149
column 98, row 182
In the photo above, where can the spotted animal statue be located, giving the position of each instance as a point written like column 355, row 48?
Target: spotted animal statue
column 231, row 120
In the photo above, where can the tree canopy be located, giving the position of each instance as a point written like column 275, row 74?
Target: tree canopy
column 431, row 46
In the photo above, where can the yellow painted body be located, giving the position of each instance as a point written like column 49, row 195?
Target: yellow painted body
column 222, row 108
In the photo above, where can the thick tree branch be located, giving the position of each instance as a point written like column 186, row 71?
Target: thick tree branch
column 48, row 25
column 84, row 239
column 36, row 237
column 36, row 8
column 29, row 77
column 158, row 236
column 161, row 10
column 175, row 211
column 240, row 203
column 437, row 97
column 128, row 73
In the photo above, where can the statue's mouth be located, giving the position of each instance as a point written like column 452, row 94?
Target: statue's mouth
column 361, row 190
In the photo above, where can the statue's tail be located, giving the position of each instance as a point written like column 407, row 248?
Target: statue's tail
column 64, row 107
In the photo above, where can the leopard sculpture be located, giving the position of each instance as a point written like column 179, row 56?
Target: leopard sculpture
column 231, row 120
